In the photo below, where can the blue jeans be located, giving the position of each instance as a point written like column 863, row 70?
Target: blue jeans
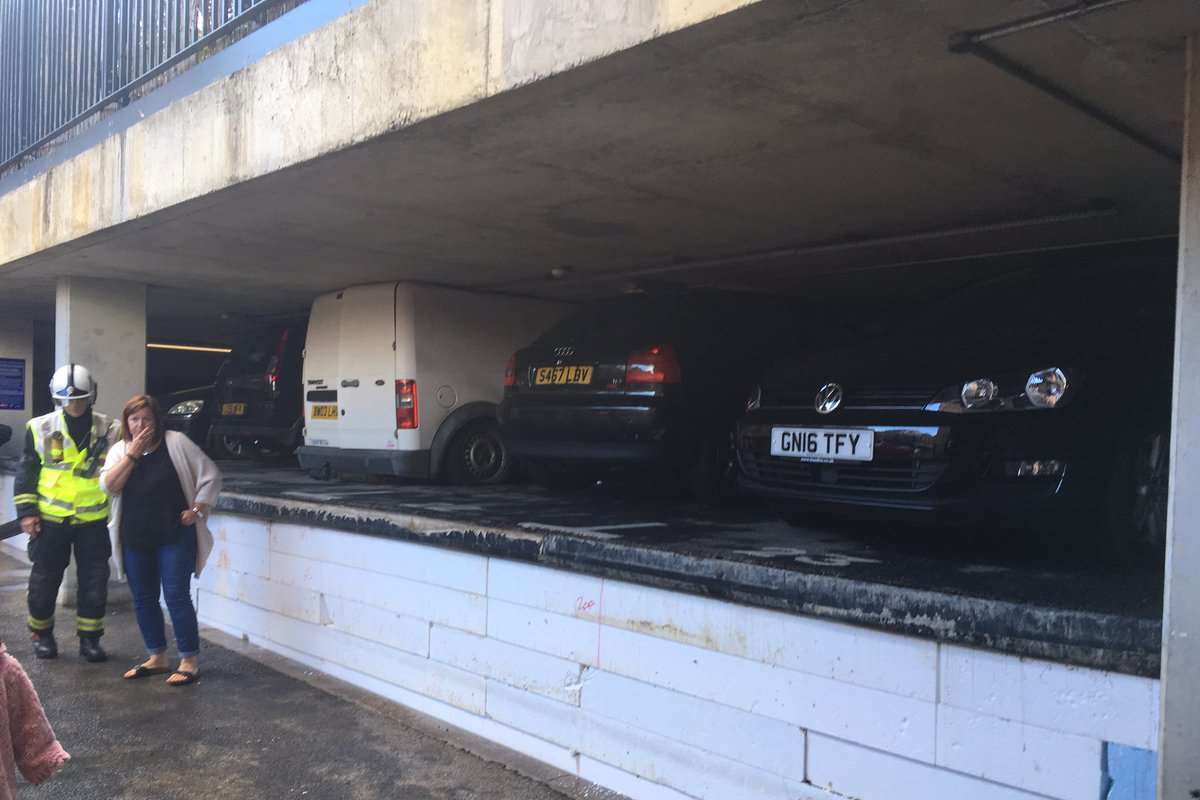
column 169, row 566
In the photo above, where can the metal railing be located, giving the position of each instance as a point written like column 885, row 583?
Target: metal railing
column 63, row 61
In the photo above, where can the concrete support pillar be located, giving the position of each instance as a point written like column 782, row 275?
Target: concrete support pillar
column 101, row 324
column 16, row 379
column 1179, row 738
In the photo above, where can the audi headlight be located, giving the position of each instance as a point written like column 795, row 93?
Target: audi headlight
column 1046, row 387
column 186, row 408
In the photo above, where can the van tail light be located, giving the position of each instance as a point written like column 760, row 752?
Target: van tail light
column 406, row 405
column 271, row 376
column 510, row 371
column 653, row 365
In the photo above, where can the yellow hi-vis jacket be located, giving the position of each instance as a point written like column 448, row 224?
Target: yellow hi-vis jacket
column 68, row 481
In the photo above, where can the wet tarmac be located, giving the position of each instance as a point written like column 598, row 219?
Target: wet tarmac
column 244, row 731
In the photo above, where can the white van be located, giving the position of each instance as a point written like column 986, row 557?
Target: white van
column 404, row 379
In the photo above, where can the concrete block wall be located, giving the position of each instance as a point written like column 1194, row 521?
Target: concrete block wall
column 658, row 694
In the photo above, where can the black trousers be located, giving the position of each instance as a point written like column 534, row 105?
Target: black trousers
column 50, row 552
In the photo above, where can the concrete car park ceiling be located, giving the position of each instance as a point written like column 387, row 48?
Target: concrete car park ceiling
column 825, row 137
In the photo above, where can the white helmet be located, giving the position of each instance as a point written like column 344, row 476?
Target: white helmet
column 72, row 382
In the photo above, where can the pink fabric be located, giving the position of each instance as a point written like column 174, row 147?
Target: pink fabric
column 26, row 741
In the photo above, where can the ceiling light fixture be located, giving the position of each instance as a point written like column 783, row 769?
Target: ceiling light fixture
column 190, row 348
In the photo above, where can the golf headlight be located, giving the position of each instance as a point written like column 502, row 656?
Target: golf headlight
column 1045, row 388
column 978, row 393
column 186, row 408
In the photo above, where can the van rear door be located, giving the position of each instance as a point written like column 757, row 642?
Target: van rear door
column 321, row 347
column 367, row 368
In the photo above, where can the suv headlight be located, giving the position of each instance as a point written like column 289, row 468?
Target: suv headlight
column 186, row 408
column 1043, row 389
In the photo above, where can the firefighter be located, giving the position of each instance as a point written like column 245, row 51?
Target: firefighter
column 61, row 507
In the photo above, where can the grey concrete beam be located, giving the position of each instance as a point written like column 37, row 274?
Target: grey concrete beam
column 1179, row 740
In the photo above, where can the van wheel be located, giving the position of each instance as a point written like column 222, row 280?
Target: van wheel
column 477, row 455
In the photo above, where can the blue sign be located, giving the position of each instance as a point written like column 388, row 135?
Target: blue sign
column 12, row 384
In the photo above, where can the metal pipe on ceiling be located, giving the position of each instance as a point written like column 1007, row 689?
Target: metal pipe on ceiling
column 1037, row 21
column 975, row 43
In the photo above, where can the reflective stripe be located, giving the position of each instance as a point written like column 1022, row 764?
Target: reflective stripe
column 36, row 624
column 88, row 509
column 54, row 501
column 25, row 499
column 63, row 465
column 89, row 625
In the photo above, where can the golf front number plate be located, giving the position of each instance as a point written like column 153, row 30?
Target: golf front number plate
column 824, row 445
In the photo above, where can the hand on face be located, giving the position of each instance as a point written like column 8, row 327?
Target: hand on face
column 141, row 429
column 141, row 441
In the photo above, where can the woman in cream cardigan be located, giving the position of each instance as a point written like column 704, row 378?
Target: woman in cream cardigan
column 162, row 486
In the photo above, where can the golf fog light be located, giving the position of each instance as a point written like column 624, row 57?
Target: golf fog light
column 1045, row 388
column 978, row 393
column 1040, row 469
column 186, row 408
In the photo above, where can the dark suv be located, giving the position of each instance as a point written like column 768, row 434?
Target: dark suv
column 1040, row 399
column 257, row 405
column 652, row 381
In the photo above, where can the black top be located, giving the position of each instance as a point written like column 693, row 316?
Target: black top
column 151, row 503
column 80, row 429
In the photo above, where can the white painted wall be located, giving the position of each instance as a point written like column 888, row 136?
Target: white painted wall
column 101, row 324
column 662, row 695
column 16, row 341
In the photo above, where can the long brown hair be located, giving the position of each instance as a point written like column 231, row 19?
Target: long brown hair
column 136, row 404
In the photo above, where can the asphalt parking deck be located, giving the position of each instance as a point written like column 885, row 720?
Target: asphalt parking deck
column 1011, row 593
column 244, row 731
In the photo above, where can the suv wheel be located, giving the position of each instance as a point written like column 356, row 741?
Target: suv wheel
column 229, row 447
column 477, row 455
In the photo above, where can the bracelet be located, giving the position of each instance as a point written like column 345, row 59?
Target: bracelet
column 196, row 510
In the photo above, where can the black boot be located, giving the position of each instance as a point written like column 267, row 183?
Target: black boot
column 44, row 645
column 90, row 649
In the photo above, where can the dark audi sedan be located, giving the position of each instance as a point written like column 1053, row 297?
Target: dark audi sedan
column 1039, row 399
column 646, row 383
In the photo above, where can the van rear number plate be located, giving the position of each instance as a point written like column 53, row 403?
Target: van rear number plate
column 561, row 376
column 823, row 444
column 324, row 412
column 233, row 410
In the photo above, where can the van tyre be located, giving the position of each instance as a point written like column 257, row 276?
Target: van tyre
column 477, row 456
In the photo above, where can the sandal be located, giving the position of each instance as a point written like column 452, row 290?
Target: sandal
column 188, row 677
column 142, row 671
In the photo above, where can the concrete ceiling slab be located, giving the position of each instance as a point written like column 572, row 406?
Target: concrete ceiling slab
column 784, row 126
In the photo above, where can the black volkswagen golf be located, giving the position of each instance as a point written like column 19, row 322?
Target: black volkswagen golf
column 1039, row 399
